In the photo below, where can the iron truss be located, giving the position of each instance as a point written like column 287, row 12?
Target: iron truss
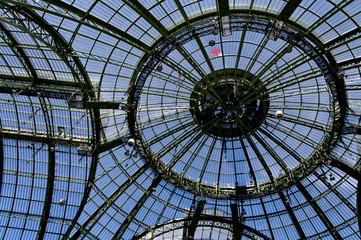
column 289, row 34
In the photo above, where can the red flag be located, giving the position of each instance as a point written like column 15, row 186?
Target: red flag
column 216, row 52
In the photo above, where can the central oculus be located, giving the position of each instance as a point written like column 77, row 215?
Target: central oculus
column 229, row 103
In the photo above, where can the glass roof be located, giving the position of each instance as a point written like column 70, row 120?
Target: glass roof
column 180, row 119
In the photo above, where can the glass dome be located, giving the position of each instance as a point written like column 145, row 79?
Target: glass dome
column 180, row 119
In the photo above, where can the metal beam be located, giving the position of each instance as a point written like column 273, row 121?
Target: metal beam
column 236, row 222
column 261, row 159
column 358, row 204
column 292, row 215
column 66, row 11
column 31, row 23
column 267, row 218
column 40, row 81
column 319, row 212
column 32, row 217
column 181, row 9
column 13, row 44
column 273, row 153
column 101, row 104
column 42, row 137
column 250, row 166
column 187, row 56
column 145, row 13
column 207, row 219
column 101, row 25
column 107, row 204
column 353, row 172
column 342, row 38
column 49, row 192
column 195, row 219
column 223, row 7
column 111, row 144
column 1, row 164
column 40, row 91
column 288, row 10
column 203, row 50
column 119, row 233
column 356, row 60
column 351, row 130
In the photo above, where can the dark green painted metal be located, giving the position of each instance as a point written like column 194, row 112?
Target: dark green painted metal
column 356, row 60
column 267, row 218
column 237, row 229
column 204, row 53
column 102, row 105
column 1, row 164
column 41, row 81
column 330, row 13
column 358, row 204
column 331, row 186
column 250, row 166
column 319, row 212
column 180, row 8
column 261, row 159
column 41, row 137
column 191, row 61
column 352, row 171
column 49, row 192
column 109, row 145
column 289, row 9
column 292, row 215
column 22, row 55
column 145, row 13
column 218, row 219
column 192, row 226
column 119, row 233
column 83, row 230
column 81, row 75
column 223, row 7
column 205, row 164
column 342, row 38
column 94, row 20
column 275, row 156
column 281, row 144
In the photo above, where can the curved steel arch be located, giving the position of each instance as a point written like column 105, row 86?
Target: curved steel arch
column 40, row 29
column 13, row 44
column 83, row 230
column 327, row 66
column 90, row 20
column 224, row 223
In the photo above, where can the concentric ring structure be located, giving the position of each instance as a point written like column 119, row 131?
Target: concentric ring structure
column 180, row 119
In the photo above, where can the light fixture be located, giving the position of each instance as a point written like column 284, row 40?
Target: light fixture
column 131, row 142
column 16, row 92
column 215, row 31
column 62, row 202
column 212, row 43
column 332, row 178
column 159, row 68
column 288, row 49
column 341, row 75
column 279, row 115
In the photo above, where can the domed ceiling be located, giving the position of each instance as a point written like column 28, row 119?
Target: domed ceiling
column 180, row 119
